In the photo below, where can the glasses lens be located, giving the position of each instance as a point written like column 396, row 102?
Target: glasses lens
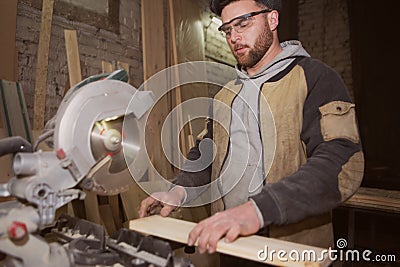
column 240, row 24
column 226, row 31
column 243, row 24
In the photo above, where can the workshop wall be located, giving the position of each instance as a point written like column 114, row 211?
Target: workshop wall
column 324, row 32
column 95, row 44
column 323, row 28
column 215, row 47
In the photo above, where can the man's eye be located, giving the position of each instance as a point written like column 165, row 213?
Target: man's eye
column 227, row 30
column 243, row 23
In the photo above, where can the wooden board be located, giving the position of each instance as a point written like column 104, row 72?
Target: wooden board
column 6, row 161
column 92, row 208
column 107, row 67
column 375, row 199
column 126, row 67
column 42, row 65
column 243, row 247
column 8, row 22
column 154, row 49
column 13, row 110
column 74, row 64
column 178, row 90
column 188, row 45
column 131, row 200
column 107, row 218
column 154, row 60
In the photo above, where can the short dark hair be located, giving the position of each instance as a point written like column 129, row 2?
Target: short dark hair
column 216, row 6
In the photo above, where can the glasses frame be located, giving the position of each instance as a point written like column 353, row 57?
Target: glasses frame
column 245, row 16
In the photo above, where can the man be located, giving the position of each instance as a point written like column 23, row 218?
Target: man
column 287, row 192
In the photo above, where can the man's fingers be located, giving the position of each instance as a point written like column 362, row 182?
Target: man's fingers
column 219, row 230
column 166, row 210
column 194, row 234
column 233, row 233
column 203, row 240
column 146, row 206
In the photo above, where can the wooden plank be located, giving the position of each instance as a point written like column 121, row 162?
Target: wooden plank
column 126, row 67
column 375, row 199
column 154, row 49
column 74, row 64
column 6, row 162
column 190, row 47
column 177, row 92
column 131, row 200
column 8, row 22
column 42, row 65
column 191, row 142
column 107, row 218
column 107, row 67
column 92, row 208
column 13, row 110
column 243, row 247
column 115, row 210
column 154, row 60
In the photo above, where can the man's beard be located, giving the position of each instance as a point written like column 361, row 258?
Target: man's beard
column 261, row 46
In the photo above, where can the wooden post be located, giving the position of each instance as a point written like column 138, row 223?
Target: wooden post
column 8, row 22
column 125, row 66
column 154, row 60
column 42, row 65
column 107, row 67
column 74, row 64
column 178, row 95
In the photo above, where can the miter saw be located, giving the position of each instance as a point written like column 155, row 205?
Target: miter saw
column 95, row 137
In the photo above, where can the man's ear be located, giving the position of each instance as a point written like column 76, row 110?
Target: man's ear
column 273, row 20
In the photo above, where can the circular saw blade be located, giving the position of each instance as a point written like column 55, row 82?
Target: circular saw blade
column 108, row 139
column 103, row 133
column 100, row 149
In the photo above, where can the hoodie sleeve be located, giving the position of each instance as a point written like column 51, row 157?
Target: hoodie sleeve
column 335, row 164
column 197, row 178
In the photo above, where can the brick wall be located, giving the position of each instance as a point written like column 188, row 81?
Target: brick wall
column 94, row 44
column 324, row 32
column 215, row 47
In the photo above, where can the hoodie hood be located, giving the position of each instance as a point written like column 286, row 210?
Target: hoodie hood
column 290, row 50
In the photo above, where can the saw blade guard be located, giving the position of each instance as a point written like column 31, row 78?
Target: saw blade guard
column 89, row 129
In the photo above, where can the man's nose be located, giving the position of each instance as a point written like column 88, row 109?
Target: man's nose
column 235, row 36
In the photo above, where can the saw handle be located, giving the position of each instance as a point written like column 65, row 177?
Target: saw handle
column 14, row 144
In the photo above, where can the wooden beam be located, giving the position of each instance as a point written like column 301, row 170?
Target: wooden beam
column 244, row 247
column 115, row 209
column 375, row 199
column 178, row 94
column 42, row 65
column 74, row 64
column 154, row 49
column 125, row 66
column 92, row 208
column 154, row 60
column 8, row 22
column 131, row 200
column 107, row 67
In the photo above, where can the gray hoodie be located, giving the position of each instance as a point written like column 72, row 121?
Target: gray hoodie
column 242, row 175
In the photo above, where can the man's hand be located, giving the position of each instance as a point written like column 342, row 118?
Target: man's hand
column 232, row 223
column 162, row 202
